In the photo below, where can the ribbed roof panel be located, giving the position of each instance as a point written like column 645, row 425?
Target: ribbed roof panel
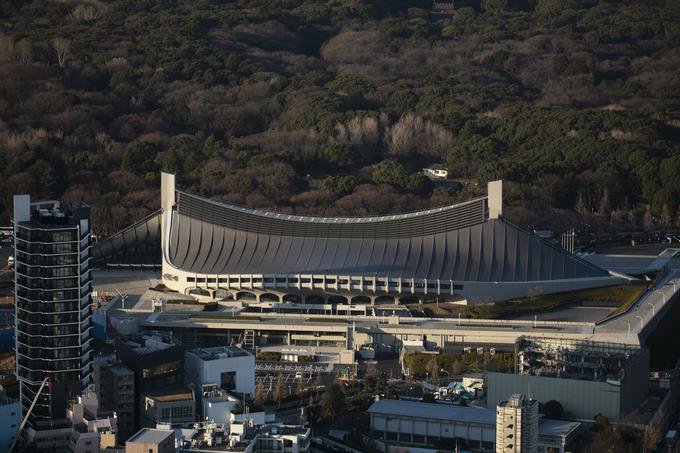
column 431, row 248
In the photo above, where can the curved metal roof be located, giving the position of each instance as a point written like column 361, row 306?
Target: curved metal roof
column 452, row 243
column 403, row 225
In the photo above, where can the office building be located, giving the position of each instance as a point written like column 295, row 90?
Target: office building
column 157, row 363
column 115, row 389
column 53, row 306
column 587, row 378
column 517, row 425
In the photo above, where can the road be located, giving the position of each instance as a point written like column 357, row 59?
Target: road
column 576, row 314
column 645, row 309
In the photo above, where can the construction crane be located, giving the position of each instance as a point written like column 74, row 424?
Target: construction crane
column 28, row 413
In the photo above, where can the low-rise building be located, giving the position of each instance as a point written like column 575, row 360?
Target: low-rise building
column 10, row 419
column 115, row 389
column 82, row 431
column 278, row 438
column 228, row 368
column 555, row 436
column 174, row 405
column 157, row 362
column 435, row 425
column 426, row 424
column 149, row 440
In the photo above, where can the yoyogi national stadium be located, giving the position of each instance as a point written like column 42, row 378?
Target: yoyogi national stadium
column 465, row 252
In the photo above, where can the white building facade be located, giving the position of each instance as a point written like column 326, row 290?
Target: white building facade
column 517, row 425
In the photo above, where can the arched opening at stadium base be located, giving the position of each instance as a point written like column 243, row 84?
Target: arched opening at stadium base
column 407, row 300
column 269, row 297
column 385, row 300
column 315, row 299
column 292, row 299
column 223, row 294
column 199, row 292
column 245, row 295
column 361, row 300
column 337, row 300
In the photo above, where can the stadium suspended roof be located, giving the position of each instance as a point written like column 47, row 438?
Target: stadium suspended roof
column 458, row 242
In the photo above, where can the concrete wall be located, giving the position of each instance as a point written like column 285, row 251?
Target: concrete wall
column 580, row 399
column 200, row 372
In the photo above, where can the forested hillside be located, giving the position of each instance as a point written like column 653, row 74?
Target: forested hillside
column 331, row 107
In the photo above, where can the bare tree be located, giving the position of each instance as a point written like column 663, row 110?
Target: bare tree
column 62, row 49
column 24, row 51
column 90, row 11
column 279, row 390
column 433, row 368
column 665, row 216
column 415, row 135
column 648, row 220
column 7, row 49
column 260, row 393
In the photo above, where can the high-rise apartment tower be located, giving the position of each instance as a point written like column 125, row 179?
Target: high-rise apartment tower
column 53, row 307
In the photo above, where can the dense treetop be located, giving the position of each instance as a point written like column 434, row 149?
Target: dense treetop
column 332, row 107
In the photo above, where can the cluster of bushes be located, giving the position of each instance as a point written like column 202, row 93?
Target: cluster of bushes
column 331, row 108
column 421, row 364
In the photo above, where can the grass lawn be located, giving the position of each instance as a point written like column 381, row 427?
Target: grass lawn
column 441, row 309
column 218, row 316
column 624, row 295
